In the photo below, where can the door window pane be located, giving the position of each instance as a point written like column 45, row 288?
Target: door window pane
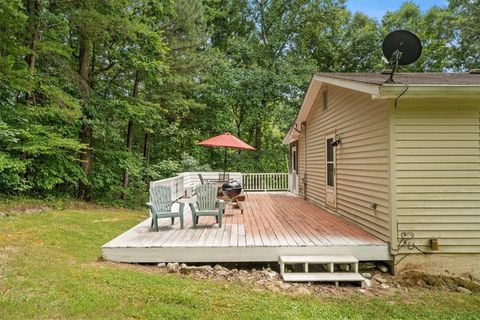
column 294, row 160
column 329, row 149
column 330, row 175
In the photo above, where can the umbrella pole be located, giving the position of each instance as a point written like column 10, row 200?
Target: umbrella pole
column 225, row 164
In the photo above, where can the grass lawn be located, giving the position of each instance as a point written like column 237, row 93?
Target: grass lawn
column 49, row 269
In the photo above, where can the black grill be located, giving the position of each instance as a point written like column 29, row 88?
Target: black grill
column 232, row 189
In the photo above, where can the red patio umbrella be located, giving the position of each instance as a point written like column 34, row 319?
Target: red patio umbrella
column 226, row 140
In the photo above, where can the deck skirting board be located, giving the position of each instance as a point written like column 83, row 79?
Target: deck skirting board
column 238, row 254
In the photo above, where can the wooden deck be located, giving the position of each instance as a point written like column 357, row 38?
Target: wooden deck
column 273, row 224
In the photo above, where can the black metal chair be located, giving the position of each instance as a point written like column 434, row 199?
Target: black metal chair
column 201, row 179
column 224, row 177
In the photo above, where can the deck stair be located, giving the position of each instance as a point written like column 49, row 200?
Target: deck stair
column 330, row 262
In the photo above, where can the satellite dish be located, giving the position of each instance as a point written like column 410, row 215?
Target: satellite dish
column 401, row 47
column 404, row 41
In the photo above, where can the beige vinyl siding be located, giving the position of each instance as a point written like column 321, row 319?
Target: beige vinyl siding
column 362, row 157
column 437, row 167
column 301, row 164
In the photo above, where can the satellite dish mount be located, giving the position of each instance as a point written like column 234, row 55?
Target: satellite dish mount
column 400, row 47
column 393, row 62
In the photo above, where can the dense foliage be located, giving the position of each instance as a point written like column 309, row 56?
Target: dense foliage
column 99, row 97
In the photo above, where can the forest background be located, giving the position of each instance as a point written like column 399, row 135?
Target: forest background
column 97, row 97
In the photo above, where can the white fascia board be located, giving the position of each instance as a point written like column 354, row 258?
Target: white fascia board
column 389, row 91
column 370, row 88
column 289, row 137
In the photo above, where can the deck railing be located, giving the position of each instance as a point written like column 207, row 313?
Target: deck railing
column 250, row 181
column 265, row 181
column 175, row 183
column 192, row 179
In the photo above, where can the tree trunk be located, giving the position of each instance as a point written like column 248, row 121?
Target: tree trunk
column 129, row 137
column 86, row 132
column 84, row 53
column 146, row 155
column 146, row 148
column 258, row 136
column 32, row 7
column 258, row 145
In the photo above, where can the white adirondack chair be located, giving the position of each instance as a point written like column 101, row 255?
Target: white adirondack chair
column 161, row 206
column 206, row 204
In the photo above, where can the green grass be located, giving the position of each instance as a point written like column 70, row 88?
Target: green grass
column 49, row 269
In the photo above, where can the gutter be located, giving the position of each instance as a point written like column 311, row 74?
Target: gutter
column 416, row 91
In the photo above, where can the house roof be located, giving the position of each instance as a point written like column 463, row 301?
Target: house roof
column 415, row 78
column 406, row 86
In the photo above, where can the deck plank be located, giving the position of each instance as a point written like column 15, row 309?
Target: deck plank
column 320, row 227
column 233, row 235
column 297, row 236
column 281, row 233
column 306, row 223
column 227, row 230
column 279, row 214
column 331, row 227
column 253, row 227
column 268, row 239
column 262, row 211
column 299, row 224
column 242, row 235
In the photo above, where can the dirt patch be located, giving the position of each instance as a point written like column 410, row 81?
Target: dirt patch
column 38, row 206
column 442, row 282
column 265, row 277
column 107, row 220
column 257, row 276
column 20, row 210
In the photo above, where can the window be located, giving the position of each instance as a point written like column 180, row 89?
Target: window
column 294, row 160
column 330, row 164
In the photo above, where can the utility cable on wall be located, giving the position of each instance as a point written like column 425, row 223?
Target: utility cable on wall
column 407, row 241
column 401, row 94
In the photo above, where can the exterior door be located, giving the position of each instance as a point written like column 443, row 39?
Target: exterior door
column 294, row 177
column 330, row 174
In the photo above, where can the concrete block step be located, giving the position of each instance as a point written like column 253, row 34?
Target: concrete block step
column 318, row 259
column 322, row 277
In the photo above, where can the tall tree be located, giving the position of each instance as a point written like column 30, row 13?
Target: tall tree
column 33, row 12
column 434, row 28
column 466, row 44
